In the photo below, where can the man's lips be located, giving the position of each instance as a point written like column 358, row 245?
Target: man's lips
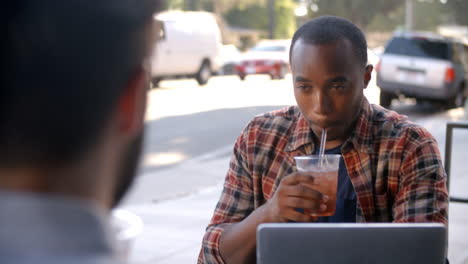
column 323, row 121
column 325, row 124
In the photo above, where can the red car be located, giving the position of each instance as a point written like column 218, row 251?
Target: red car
column 267, row 57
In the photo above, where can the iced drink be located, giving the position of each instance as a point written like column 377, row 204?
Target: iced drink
column 325, row 173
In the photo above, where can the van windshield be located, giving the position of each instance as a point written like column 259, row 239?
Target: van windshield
column 419, row 47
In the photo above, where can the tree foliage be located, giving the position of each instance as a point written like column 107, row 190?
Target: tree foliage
column 427, row 15
column 285, row 19
column 256, row 16
column 217, row 6
column 459, row 9
column 430, row 14
column 360, row 12
column 253, row 16
column 369, row 15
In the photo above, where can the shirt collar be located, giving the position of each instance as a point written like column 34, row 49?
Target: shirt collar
column 360, row 137
column 47, row 224
column 301, row 133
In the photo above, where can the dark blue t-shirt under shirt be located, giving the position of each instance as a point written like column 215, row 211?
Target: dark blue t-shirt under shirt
column 345, row 196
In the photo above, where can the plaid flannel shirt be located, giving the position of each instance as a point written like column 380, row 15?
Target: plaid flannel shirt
column 394, row 166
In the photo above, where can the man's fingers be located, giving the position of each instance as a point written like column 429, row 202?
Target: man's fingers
column 296, row 202
column 302, row 191
column 298, row 177
column 296, row 191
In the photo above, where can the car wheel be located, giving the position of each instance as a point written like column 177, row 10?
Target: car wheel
column 283, row 71
column 204, row 73
column 385, row 99
column 155, row 82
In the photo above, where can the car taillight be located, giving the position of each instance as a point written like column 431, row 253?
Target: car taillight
column 449, row 75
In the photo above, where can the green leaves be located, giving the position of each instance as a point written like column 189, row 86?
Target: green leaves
column 360, row 12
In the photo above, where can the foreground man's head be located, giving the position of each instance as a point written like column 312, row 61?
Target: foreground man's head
column 73, row 99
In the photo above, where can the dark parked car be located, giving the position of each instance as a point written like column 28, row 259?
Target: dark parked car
column 424, row 66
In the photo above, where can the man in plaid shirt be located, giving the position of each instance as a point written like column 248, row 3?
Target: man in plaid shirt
column 391, row 168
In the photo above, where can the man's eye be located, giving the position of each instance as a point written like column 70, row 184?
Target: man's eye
column 338, row 86
column 303, row 87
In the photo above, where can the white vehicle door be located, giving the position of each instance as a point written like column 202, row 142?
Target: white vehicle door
column 172, row 51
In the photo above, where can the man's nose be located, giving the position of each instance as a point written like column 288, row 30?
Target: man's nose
column 322, row 104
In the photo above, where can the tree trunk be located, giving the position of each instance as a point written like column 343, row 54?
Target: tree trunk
column 271, row 18
column 218, row 7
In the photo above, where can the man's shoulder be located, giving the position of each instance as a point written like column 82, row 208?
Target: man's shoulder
column 25, row 258
column 392, row 125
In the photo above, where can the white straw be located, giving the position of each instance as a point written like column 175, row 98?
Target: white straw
column 323, row 142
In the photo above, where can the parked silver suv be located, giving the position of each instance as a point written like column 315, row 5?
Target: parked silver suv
column 424, row 66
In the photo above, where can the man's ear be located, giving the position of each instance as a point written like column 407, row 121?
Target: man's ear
column 368, row 75
column 132, row 104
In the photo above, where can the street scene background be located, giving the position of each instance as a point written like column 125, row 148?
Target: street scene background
column 192, row 125
column 190, row 136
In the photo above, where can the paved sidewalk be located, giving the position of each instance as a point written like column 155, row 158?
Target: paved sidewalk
column 174, row 228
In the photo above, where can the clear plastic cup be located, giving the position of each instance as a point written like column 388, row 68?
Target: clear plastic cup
column 325, row 173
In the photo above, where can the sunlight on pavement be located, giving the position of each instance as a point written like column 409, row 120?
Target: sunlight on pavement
column 158, row 159
column 184, row 97
column 179, row 140
column 456, row 114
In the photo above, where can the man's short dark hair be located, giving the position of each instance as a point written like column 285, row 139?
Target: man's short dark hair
column 65, row 64
column 329, row 29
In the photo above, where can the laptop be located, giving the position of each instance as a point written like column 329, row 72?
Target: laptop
column 383, row 243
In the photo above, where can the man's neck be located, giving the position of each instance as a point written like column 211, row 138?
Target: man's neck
column 23, row 180
column 44, row 181
column 333, row 143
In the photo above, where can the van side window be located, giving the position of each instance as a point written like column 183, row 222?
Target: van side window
column 162, row 33
column 161, row 30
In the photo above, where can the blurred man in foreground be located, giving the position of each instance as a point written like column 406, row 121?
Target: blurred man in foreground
column 72, row 107
column 390, row 168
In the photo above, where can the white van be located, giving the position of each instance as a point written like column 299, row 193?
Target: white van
column 189, row 46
